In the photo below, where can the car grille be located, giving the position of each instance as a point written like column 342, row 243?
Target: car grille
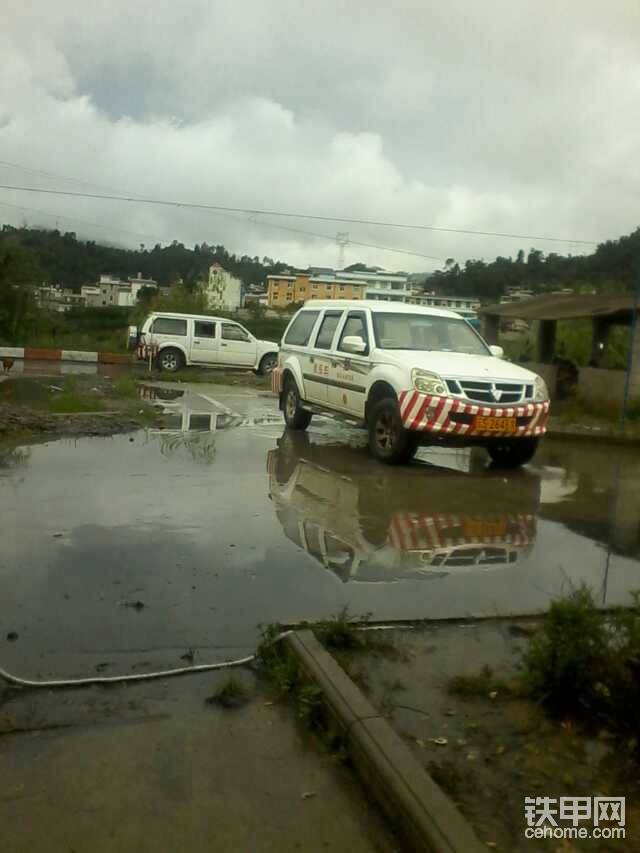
column 482, row 392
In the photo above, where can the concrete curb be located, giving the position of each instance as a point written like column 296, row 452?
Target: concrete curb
column 605, row 436
column 35, row 354
column 426, row 817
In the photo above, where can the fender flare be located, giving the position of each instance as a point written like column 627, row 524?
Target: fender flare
column 291, row 367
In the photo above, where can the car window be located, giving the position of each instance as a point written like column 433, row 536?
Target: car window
column 426, row 332
column 356, row 325
column 204, row 330
column 231, row 332
column 327, row 329
column 301, row 328
column 169, row 326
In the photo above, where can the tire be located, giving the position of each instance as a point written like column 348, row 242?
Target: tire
column 513, row 454
column 389, row 441
column 295, row 416
column 170, row 360
column 267, row 363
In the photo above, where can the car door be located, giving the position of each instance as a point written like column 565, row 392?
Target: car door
column 237, row 347
column 205, row 344
column 318, row 378
column 348, row 372
column 295, row 345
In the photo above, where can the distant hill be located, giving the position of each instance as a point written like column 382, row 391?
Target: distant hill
column 64, row 259
column 608, row 269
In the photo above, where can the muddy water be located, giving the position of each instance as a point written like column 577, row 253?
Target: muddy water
column 123, row 553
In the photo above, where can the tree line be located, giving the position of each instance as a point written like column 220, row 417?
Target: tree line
column 609, row 269
column 61, row 258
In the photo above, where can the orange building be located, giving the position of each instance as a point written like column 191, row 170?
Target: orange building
column 282, row 290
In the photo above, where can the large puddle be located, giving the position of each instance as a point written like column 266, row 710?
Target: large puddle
column 124, row 553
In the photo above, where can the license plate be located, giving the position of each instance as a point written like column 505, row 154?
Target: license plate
column 475, row 528
column 489, row 424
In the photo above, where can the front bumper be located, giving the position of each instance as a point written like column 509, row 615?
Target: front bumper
column 451, row 416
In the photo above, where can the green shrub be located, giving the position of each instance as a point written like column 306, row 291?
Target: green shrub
column 586, row 662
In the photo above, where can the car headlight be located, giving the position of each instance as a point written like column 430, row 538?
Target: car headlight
column 540, row 390
column 428, row 383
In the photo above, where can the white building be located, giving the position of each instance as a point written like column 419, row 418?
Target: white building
column 223, row 290
column 112, row 291
column 388, row 286
column 466, row 306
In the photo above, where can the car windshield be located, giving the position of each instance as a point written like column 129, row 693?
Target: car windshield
column 426, row 332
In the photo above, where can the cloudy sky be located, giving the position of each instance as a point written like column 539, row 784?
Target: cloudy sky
column 498, row 116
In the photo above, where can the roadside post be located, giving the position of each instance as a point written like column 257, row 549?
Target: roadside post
column 633, row 340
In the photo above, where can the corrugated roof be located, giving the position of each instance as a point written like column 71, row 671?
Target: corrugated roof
column 562, row 306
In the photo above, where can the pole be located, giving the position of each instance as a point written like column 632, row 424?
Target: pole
column 632, row 339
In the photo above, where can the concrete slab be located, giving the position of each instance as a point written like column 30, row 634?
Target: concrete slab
column 155, row 768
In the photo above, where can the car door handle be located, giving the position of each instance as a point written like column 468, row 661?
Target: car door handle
column 196, row 341
column 223, row 345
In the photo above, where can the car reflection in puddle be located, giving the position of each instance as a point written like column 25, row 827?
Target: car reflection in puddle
column 365, row 522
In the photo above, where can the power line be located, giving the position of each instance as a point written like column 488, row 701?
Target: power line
column 289, row 215
column 223, row 211
column 82, row 221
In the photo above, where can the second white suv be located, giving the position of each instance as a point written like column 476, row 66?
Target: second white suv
column 177, row 340
column 413, row 376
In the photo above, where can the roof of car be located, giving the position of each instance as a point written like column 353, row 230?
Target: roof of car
column 380, row 305
column 179, row 315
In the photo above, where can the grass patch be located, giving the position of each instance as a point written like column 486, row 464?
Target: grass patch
column 482, row 684
column 586, row 663
column 230, row 694
column 341, row 632
column 69, row 403
column 125, row 386
column 582, row 664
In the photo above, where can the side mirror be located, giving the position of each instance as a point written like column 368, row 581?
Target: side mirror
column 353, row 343
column 496, row 352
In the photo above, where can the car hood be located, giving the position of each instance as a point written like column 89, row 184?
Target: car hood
column 458, row 364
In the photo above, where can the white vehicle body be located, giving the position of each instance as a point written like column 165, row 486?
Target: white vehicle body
column 449, row 385
column 193, row 339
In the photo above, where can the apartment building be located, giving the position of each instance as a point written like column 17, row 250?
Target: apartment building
column 381, row 285
column 285, row 289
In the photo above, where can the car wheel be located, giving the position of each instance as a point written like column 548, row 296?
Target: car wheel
column 389, row 441
column 512, row 454
column 295, row 416
column 170, row 360
column 268, row 363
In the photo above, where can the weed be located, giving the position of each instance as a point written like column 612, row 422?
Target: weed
column 482, row 684
column 585, row 662
column 341, row 632
column 125, row 386
column 230, row 694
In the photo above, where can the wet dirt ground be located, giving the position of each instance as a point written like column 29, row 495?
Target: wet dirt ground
column 126, row 553
column 123, row 552
column 156, row 767
column 489, row 749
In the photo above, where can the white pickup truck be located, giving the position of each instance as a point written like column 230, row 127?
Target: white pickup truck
column 176, row 340
column 413, row 376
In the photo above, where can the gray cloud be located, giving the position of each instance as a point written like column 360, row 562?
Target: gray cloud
column 510, row 117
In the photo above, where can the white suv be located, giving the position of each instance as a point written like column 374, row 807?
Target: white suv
column 413, row 375
column 177, row 340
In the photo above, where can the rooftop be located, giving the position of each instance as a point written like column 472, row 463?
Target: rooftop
column 380, row 307
column 562, row 306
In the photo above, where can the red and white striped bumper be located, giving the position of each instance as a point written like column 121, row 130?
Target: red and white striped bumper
column 429, row 413
column 276, row 380
column 412, row 532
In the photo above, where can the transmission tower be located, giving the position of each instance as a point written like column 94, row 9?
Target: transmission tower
column 342, row 239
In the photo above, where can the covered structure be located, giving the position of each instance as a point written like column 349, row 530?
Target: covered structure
column 604, row 311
